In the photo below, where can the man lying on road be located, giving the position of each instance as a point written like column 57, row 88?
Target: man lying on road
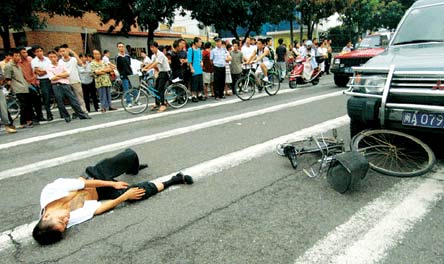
column 67, row 202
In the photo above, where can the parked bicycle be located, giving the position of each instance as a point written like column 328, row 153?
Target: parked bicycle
column 116, row 89
column 135, row 100
column 246, row 86
column 12, row 104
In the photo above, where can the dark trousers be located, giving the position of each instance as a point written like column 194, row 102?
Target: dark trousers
column 25, row 103
column 110, row 168
column 90, row 93
column 328, row 63
column 46, row 89
column 219, row 81
column 36, row 102
column 234, row 78
column 161, row 82
column 197, row 83
column 62, row 91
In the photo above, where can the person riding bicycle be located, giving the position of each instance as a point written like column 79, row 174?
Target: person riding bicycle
column 310, row 64
column 264, row 57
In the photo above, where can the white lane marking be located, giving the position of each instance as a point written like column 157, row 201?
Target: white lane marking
column 378, row 226
column 23, row 233
column 141, row 140
column 124, row 122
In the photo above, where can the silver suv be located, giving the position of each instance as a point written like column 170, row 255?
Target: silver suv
column 403, row 87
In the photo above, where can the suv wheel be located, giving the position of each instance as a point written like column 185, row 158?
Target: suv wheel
column 341, row 81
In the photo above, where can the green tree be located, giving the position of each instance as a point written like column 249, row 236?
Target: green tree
column 231, row 14
column 18, row 14
column 145, row 14
column 313, row 11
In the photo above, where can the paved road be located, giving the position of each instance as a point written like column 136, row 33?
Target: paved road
column 247, row 205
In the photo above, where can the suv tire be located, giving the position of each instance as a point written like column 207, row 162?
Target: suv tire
column 341, row 81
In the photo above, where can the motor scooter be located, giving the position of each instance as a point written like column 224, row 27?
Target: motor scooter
column 297, row 74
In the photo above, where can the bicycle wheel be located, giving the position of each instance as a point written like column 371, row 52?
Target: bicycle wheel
column 394, row 153
column 176, row 95
column 273, row 87
column 13, row 107
column 245, row 88
column 135, row 101
column 116, row 90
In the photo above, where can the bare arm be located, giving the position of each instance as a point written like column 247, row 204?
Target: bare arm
column 79, row 61
column 266, row 52
column 92, row 183
column 131, row 194
column 250, row 60
column 150, row 66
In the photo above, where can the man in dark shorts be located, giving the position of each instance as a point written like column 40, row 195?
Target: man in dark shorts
column 67, row 202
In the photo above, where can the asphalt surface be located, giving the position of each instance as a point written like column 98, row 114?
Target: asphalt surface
column 239, row 210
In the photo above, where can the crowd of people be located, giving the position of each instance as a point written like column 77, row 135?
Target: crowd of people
column 35, row 75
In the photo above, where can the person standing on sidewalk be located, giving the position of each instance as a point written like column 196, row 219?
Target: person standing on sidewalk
column 59, row 76
column 39, row 65
column 88, row 85
column 70, row 63
column 208, row 70
column 236, row 64
column 195, row 62
column 219, row 56
column 4, row 114
column 123, row 62
column 281, row 52
column 34, row 91
column 102, row 80
column 15, row 79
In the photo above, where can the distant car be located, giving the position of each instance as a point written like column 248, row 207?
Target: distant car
column 403, row 87
column 370, row 46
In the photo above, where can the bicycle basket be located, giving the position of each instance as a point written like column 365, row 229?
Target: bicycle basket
column 134, row 80
column 346, row 170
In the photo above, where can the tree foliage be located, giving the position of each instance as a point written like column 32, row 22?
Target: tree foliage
column 313, row 11
column 231, row 14
column 362, row 15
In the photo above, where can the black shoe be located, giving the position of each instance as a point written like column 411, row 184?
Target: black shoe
column 75, row 116
column 143, row 166
column 41, row 119
column 85, row 116
column 67, row 119
column 187, row 179
column 194, row 100
column 50, row 118
column 203, row 98
column 290, row 153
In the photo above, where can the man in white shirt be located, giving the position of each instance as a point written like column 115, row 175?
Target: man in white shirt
column 71, row 64
column 248, row 50
column 39, row 65
column 159, row 62
column 67, row 202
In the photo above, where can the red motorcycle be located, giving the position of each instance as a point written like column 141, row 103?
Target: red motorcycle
column 296, row 75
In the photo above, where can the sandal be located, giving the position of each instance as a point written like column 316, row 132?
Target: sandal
column 163, row 108
column 153, row 107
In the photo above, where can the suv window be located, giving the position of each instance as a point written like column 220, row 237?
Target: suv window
column 422, row 25
column 371, row 42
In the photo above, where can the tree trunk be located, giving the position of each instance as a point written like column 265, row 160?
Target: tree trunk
column 291, row 30
column 151, row 28
column 6, row 38
column 301, row 25
column 247, row 34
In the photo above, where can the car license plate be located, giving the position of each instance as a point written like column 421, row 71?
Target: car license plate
column 432, row 120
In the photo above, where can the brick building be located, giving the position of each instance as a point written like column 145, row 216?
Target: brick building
column 87, row 33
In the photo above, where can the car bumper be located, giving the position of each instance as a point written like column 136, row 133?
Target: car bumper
column 342, row 71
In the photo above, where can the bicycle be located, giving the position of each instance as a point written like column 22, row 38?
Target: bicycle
column 389, row 152
column 12, row 105
column 394, row 153
column 246, row 86
column 135, row 100
column 322, row 149
column 116, row 89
